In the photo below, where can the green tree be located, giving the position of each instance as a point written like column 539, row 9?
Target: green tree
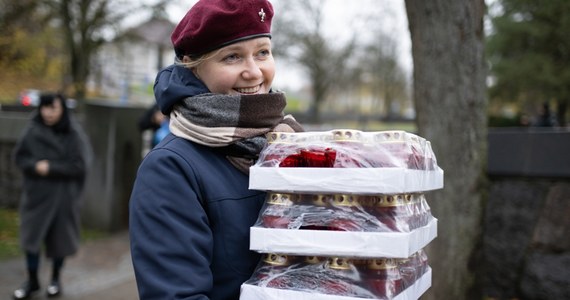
column 529, row 53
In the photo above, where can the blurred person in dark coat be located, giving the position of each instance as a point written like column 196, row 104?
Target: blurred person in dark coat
column 53, row 154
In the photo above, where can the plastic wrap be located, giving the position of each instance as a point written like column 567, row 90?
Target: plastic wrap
column 344, row 243
column 347, row 148
column 343, row 224
column 371, row 278
column 345, row 212
column 346, row 161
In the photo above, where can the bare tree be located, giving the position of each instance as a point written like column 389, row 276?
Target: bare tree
column 385, row 77
column 86, row 25
column 450, row 100
column 299, row 36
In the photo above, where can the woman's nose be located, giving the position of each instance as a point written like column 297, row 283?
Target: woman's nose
column 252, row 69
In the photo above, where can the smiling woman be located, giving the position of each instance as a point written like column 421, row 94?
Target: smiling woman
column 194, row 183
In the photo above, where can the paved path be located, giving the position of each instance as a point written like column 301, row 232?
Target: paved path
column 102, row 269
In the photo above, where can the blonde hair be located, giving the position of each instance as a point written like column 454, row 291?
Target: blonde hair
column 195, row 62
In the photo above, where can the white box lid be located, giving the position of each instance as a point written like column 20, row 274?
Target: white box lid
column 345, row 180
column 341, row 243
column 252, row 292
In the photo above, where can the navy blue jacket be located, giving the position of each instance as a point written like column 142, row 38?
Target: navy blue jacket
column 190, row 214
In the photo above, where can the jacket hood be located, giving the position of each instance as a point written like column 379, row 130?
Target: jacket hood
column 174, row 84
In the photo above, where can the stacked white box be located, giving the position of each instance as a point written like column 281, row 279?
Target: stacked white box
column 370, row 181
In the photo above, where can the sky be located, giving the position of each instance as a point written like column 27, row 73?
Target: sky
column 344, row 19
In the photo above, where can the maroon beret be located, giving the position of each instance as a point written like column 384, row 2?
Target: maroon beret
column 213, row 24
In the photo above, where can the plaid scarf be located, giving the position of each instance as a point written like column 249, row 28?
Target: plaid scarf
column 234, row 124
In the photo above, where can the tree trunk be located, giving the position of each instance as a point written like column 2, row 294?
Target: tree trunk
column 450, row 99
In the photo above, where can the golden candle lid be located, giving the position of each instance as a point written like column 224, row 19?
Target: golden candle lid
column 409, row 199
column 321, row 200
column 281, row 137
column 382, row 264
column 390, row 200
column 347, row 135
column 282, row 199
column 346, row 200
column 277, row 259
column 339, row 263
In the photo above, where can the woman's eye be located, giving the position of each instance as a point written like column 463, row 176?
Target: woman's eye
column 264, row 53
column 231, row 58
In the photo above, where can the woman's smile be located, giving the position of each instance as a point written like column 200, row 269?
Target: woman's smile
column 248, row 90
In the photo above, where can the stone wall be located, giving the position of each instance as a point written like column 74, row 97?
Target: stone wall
column 527, row 226
column 11, row 126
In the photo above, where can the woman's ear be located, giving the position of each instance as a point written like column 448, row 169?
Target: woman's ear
column 186, row 59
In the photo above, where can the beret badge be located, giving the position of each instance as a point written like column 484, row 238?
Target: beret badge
column 262, row 15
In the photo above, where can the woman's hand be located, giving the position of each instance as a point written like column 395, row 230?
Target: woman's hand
column 282, row 127
column 42, row 167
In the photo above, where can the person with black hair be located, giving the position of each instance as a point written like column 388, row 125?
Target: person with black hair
column 53, row 154
column 155, row 121
column 151, row 119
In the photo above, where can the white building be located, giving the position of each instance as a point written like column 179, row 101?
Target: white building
column 125, row 69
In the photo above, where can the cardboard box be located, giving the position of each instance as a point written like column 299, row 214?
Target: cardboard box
column 252, row 292
column 341, row 243
column 345, row 180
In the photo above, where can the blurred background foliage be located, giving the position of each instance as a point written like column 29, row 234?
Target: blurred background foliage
column 30, row 49
column 528, row 50
column 49, row 45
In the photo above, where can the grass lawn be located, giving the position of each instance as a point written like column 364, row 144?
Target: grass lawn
column 9, row 226
column 9, row 244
